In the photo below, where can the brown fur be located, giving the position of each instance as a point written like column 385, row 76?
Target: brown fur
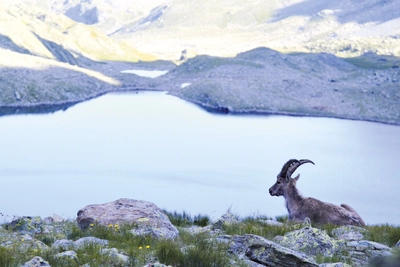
column 317, row 211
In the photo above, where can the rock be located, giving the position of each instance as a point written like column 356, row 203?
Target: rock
column 272, row 222
column 148, row 231
column 63, row 244
column 80, row 243
column 36, row 262
column 225, row 220
column 194, row 230
column 361, row 252
column 53, row 219
column 336, row 264
column 277, row 239
column 29, row 243
column 392, row 261
column 311, row 241
column 117, row 258
column 67, row 255
column 265, row 252
column 27, row 225
column 17, row 95
column 156, row 264
column 90, row 240
column 128, row 211
column 349, row 232
column 397, row 244
column 184, row 55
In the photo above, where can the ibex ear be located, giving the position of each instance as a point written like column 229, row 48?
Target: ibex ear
column 297, row 177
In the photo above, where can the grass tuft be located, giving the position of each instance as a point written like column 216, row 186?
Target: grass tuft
column 184, row 219
column 384, row 234
column 193, row 250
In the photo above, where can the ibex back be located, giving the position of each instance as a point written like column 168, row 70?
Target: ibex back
column 300, row 208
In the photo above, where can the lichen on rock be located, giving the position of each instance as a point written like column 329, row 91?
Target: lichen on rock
column 148, row 218
column 311, row 241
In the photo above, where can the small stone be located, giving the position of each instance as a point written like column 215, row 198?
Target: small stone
column 90, row 240
column 116, row 257
column 36, row 262
column 69, row 254
column 17, row 95
column 336, row 264
column 226, row 219
column 349, row 232
column 63, row 244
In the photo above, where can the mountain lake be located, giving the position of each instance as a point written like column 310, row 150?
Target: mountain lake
column 155, row 147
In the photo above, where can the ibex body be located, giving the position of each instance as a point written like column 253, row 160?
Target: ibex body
column 300, row 208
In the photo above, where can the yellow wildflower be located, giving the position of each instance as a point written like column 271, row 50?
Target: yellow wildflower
column 147, row 246
column 140, row 247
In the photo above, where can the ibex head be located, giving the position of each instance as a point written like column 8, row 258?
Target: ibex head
column 284, row 178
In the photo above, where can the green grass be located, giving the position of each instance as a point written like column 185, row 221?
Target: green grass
column 193, row 250
column 184, row 219
column 7, row 257
column 384, row 234
column 186, row 250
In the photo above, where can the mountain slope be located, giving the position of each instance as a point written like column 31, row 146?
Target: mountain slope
column 38, row 32
column 225, row 28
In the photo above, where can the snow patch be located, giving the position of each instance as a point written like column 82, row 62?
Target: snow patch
column 183, row 85
column 146, row 73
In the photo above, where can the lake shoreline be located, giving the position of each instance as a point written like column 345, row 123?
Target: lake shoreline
column 226, row 111
column 257, row 82
column 45, row 108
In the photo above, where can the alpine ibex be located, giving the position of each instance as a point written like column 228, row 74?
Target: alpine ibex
column 300, row 208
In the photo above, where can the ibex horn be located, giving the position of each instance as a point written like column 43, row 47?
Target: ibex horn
column 290, row 167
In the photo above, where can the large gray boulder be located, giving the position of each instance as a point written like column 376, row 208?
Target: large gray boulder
column 149, row 218
column 256, row 249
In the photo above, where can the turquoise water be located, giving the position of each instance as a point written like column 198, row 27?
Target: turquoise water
column 155, row 147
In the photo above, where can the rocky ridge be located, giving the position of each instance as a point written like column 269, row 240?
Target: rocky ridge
column 301, row 247
column 50, row 62
column 260, row 81
column 226, row 28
